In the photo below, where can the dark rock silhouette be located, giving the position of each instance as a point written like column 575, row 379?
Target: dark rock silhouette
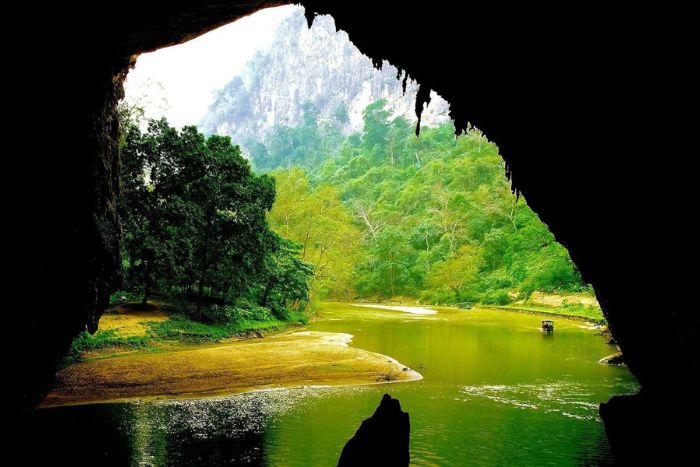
column 616, row 359
column 381, row 440
column 645, row 429
column 591, row 107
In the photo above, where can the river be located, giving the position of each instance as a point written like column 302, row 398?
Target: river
column 496, row 391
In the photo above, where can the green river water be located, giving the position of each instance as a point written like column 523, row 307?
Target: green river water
column 496, row 391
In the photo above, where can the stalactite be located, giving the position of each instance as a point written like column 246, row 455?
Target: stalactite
column 422, row 99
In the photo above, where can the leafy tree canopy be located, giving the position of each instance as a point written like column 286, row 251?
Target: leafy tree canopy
column 195, row 222
column 382, row 213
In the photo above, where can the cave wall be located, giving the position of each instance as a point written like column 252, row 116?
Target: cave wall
column 588, row 105
column 65, row 230
column 570, row 102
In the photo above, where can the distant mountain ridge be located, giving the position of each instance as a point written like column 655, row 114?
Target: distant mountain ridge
column 318, row 65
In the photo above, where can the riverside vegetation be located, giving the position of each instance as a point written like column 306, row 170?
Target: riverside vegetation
column 383, row 214
column 377, row 215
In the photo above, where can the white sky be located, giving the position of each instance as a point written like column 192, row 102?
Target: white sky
column 178, row 82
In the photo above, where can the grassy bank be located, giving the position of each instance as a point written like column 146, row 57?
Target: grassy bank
column 129, row 327
column 182, row 329
column 572, row 305
column 587, row 313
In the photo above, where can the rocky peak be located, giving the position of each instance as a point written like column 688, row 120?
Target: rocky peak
column 318, row 65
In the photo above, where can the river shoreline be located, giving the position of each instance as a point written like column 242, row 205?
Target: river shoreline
column 487, row 374
column 282, row 359
column 513, row 308
column 542, row 313
column 288, row 360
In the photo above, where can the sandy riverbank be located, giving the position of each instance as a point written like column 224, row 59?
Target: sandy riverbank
column 282, row 361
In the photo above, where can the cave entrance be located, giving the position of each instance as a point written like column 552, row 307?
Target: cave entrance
column 404, row 260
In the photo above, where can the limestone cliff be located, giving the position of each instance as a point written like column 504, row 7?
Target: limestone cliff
column 319, row 65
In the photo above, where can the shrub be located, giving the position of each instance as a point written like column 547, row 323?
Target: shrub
column 497, row 297
column 245, row 309
column 495, row 281
column 219, row 314
column 125, row 296
column 438, row 296
column 183, row 329
column 103, row 340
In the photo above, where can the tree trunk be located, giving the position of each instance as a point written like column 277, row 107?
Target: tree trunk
column 200, row 297
column 266, row 294
column 391, row 279
column 147, row 286
column 458, row 297
column 203, row 272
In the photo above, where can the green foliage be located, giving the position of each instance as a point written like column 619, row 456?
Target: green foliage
column 496, row 297
column 590, row 313
column 195, row 223
column 226, row 314
column 307, row 145
column 386, row 269
column 124, row 296
column 108, row 339
column 383, row 213
column 182, row 329
column 459, row 272
column 322, row 226
column 242, row 310
column 286, row 279
column 379, row 213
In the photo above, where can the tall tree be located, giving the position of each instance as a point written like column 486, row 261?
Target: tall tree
column 322, row 225
column 195, row 218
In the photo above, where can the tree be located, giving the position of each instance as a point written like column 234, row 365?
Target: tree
column 321, row 224
column 431, row 217
column 307, row 145
column 195, row 216
column 386, row 269
column 145, row 205
column 459, row 272
column 285, row 278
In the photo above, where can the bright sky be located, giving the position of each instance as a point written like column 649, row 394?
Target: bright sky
column 178, row 82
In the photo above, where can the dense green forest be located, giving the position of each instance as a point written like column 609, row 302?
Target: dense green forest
column 195, row 226
column 374, row 215
column 383, row 213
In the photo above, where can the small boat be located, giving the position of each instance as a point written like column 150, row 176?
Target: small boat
column 547, row 325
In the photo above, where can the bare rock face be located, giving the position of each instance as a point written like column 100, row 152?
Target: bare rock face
column 318, row 65
column 381, row 440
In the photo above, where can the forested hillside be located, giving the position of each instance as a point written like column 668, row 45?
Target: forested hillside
column 388, row 214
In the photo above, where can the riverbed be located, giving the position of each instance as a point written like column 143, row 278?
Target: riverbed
column 495, row 391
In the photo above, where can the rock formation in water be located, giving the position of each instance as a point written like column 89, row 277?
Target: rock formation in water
column 616, row 359
column 381, row 440
column 318, row 65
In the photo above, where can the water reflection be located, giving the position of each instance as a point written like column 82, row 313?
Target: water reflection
column 494, row 393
